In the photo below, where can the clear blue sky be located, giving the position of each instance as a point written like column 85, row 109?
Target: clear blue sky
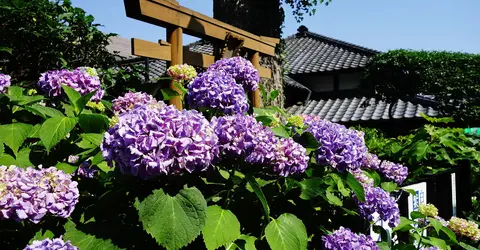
column 452, row 25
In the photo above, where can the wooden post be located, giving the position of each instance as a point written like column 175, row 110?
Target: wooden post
column 255, row 95
column 175, row 38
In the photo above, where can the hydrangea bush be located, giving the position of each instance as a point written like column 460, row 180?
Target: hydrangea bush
column 136, row 173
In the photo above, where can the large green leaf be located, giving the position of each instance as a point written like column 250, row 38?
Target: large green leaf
column 221, row 227
column 72, row 94
column 466, row 246
column 258, row 191
column 86, row 241
column 333, row 199
column 41, row 235
column 14, row 134
column 389, row 186
column 174, row 222
column 404, row 224
column 93, row 123
column 95, row 139
column 249, row 242
column 286, row 233
column 311, row 188
column 55, row 129
column 22, row 159
column 65, row 167
column 356, row 187
column 81, row 102
column 44, row 111
column 34, row 132
column 280, row 131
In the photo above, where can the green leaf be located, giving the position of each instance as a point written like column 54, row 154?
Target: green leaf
column 266, row 120
column 81, row 102
column 274, row 95
column 466, row 246
column 14, row 134
column 341, row 187
column 221, row 227
column 93, row 123
column 436, row 224
column 404, row 223
column 55, row 129
column 69, row 110
column 410, row 191
column 168, row 94
column 416, row 215
column 449, row 233
column 15, row 92
column 307, row 140
column 441, row 244
column 174, row 222
column 389, row 186
column 258, row 191
column 72, row 94
column 104, row 167
column 23, row 158
column 6, row 49
column 249, row 242
column 374, row 175
column 24, row 100
column 286, row 233
column 65, row 167
column 420, row 150
column 95, row 139
column 41, row 235
column 280, row 131
column 383, row 245
column 311, row 188
column 356, row 187
column 86, row 241
column 44, row 111
column 7, row 160
column 332, row 199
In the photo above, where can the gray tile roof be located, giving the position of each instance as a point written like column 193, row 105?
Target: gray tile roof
column 361, row 109
column 308, row 52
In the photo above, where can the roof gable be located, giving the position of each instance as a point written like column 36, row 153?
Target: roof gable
column 309, row 52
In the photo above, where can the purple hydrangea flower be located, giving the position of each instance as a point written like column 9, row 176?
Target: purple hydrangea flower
column 345, row 239
column 128, row 101
column 84, row 80
column 290, row 158
column 341, row 148
column 148, row 141
column 371, row 161
column 48, row 244
column 429, row 248
column 362, row 178
column 217, row 90
column 32, row 193
column 73, row 159
column 393, row 171
column 240, row 69
column 86, row 170
column 4, row 83
column 379, row 201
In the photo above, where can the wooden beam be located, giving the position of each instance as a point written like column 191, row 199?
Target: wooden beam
column 270, row 39
column 264, row 72
column 163, row 52
column 175, row 38
column 150, row 49
column 255, row 95
column 166, row 14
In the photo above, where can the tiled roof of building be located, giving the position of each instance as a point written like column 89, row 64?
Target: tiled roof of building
column 308, row 52
column 361, row 109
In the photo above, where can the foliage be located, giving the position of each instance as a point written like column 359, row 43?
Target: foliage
column 452, row 78
column 42, row 35
column 235, row 203
column 302, row 7
column 429, row 149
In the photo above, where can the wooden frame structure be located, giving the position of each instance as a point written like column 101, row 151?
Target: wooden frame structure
column 178, row 20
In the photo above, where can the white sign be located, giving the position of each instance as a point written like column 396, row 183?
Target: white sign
column 413, row 204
